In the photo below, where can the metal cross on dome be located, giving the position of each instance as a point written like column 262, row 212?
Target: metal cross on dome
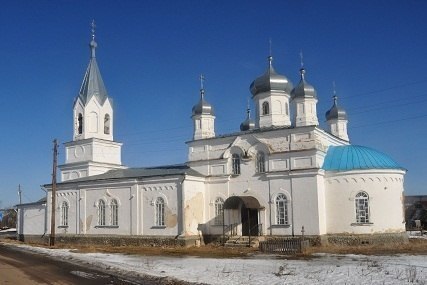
column 93, row 25
column 301, row 58
column 202, row 80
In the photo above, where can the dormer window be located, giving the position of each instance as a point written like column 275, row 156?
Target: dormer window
column 265, row 108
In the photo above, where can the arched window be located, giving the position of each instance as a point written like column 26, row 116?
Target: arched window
column 101, row 213
column 80, row 124
column 236, row 164
column 64, row 214
column 114, row 207
column 260, row 162
column 362, row 207
column 160, row 212
column 265, row 108
column 281, row 210
column 107, row 124
column 219, row 211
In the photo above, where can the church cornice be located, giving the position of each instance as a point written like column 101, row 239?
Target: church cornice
column 89, row 140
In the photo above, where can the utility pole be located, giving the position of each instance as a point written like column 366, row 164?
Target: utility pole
column 52, row 220
column 20, row 194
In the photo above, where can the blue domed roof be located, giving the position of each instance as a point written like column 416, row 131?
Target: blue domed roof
column 350, row 157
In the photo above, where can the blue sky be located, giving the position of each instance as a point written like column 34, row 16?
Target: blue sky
column 151, row 54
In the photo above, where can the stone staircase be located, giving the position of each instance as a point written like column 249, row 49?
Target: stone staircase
column 243, row 241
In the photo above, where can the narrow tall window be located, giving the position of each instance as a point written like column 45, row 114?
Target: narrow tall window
column 362, row 207
column 101, row 213
column 260, row 162
column 286, row 109
column 265, row 108
column 114, row 207
column 107, row 124
column 80, row 124
column 64, row 214
column 236, row 164
column 219, row 211
column 160, row 212
column 281, row 210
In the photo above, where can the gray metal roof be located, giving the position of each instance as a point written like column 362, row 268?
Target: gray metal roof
column 203, row 107
column 168, row 170
column 39, row 202
column 336, row 112
column 248, row 124
column 270, row 81
column 92, row 84
column 303, row 89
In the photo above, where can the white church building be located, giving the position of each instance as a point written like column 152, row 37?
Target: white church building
column 280, row 172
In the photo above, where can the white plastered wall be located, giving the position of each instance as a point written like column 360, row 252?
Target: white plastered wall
column 385, row 190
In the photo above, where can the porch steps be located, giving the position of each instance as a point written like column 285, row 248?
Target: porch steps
column 243, row 241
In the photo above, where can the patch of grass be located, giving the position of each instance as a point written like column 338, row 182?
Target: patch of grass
column 203, row 251
column 416, row 246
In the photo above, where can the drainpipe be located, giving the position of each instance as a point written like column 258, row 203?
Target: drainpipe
column 182, row 233
column 291, row 188
column 292, row 205
column 269, row 204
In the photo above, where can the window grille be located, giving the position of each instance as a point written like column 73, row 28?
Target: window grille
column 101, row 213
column 114, row 213
column 219, row 211
column 64, row 214
column 362, row 207
column 260, row 162
column 160, row 212
column 236, row 164
column 281, row 209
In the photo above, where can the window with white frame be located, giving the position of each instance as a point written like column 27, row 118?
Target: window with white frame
column 160, row 212
column 101, row 213
column 235, row 164
column 362, row 207
column 219, row 211
column 114, row 212
column 265, row 108
column 260, row 162
column 64, row 214
column 281, row 210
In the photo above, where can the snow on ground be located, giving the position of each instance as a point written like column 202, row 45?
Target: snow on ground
column 260, row 269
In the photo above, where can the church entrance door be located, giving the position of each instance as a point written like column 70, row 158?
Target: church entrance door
column 249, row 209
column 249, row 222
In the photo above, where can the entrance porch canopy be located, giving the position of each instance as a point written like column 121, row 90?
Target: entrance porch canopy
column 248, row 202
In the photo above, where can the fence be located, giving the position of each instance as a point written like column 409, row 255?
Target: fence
column 286, row 245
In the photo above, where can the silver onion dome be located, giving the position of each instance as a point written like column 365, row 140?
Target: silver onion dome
column 270, row 81
column 247, row 124
column 336, row 112
column 303, row 89
column 203, row 107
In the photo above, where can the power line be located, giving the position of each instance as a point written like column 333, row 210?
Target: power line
column 390, row 121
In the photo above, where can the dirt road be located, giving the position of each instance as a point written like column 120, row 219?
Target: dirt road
column 19, row 267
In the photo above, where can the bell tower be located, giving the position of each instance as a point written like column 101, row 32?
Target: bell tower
column 93, row 150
